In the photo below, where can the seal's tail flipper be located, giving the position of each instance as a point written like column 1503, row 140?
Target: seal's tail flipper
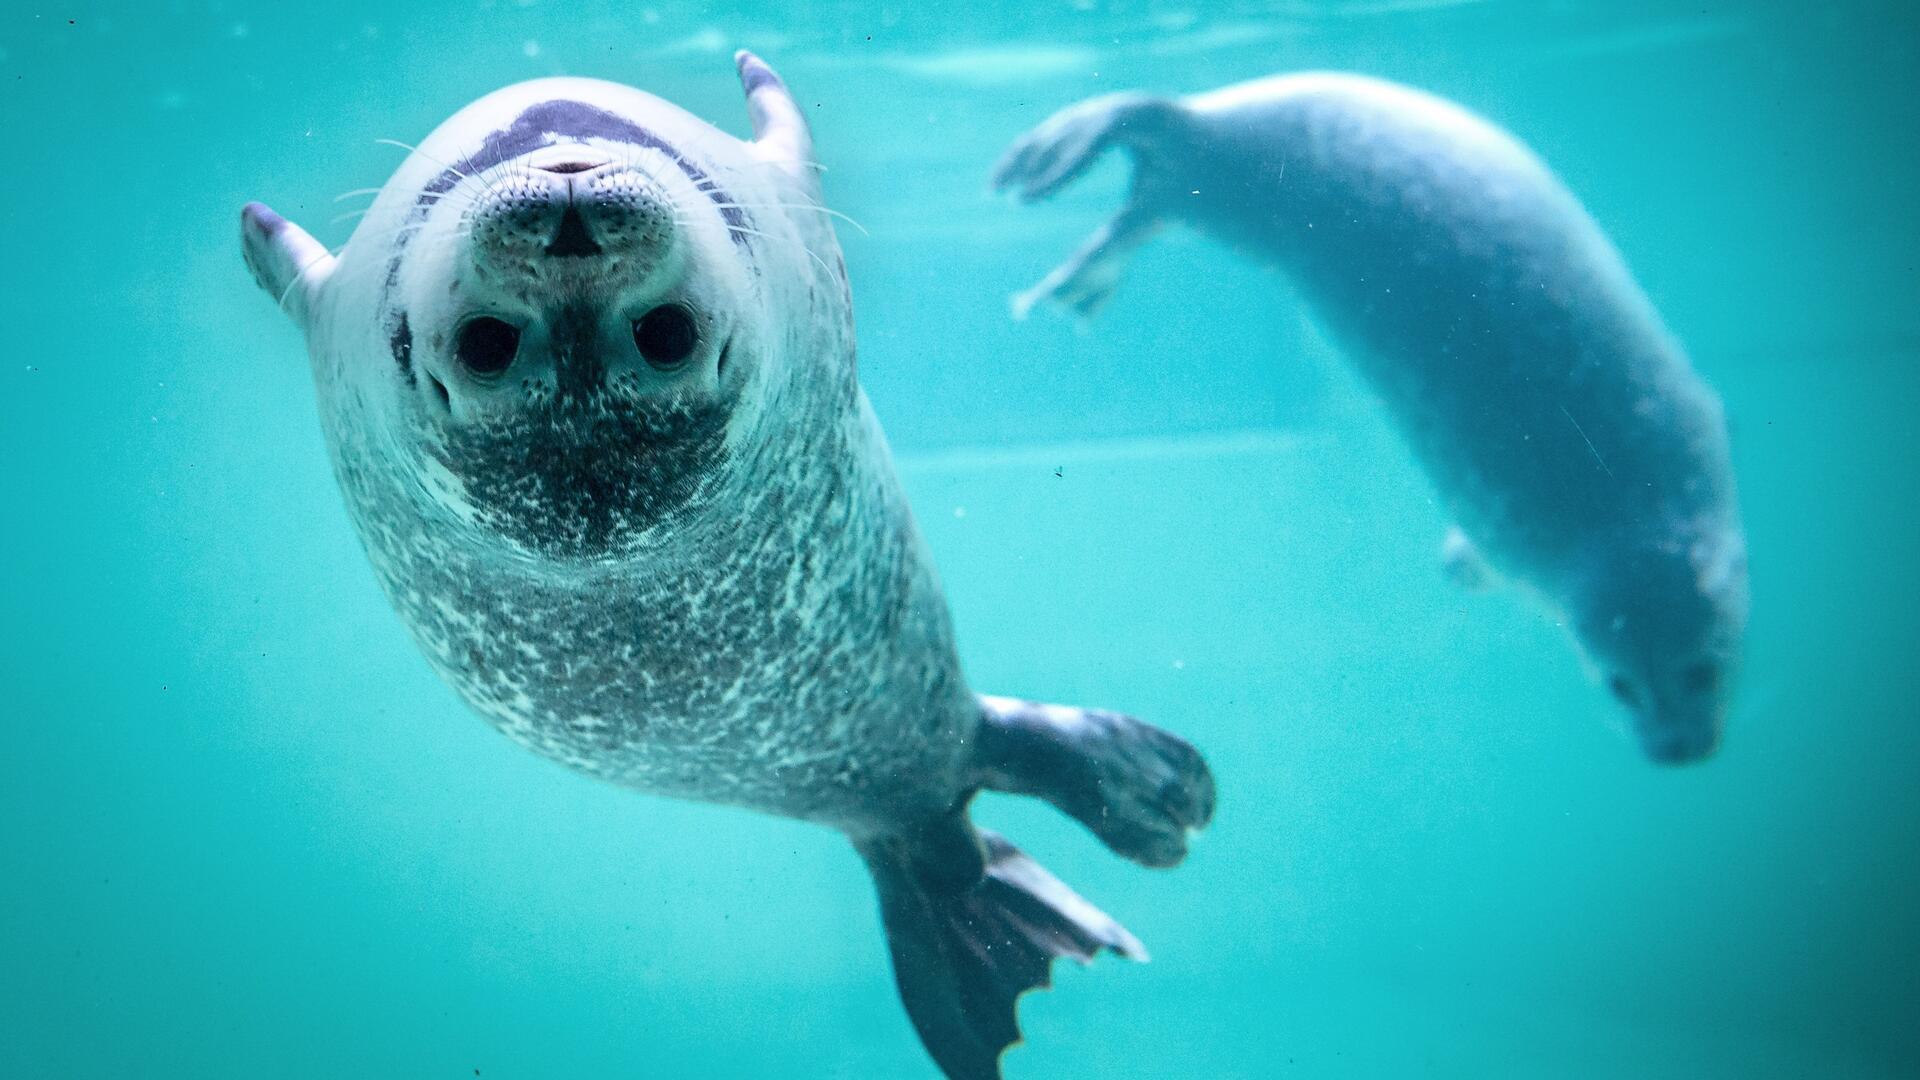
column 1140, row 789
column 971, row 931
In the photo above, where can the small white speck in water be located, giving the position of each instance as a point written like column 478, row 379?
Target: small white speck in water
column 530, row 49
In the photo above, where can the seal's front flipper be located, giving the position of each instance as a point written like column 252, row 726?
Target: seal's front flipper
column 1066, row 144
column 1463, row 564
column 780, row 132
column 288, row 263
column 1140, row 789
column 1087, row 279
column 970, row 930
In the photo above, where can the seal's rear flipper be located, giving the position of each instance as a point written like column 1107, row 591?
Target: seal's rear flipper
column 970, row 933
column 288, row 263
column 1140, row 789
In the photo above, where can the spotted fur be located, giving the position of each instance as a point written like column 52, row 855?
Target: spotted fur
column 776, row 638
column 650, row 592
column 691, row 571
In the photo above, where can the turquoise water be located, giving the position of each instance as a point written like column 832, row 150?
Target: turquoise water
column 245, row 832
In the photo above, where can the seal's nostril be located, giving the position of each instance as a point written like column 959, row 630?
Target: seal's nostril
column 573, row 238
column 565, row 167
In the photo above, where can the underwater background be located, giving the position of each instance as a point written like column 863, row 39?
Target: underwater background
column 246, row 832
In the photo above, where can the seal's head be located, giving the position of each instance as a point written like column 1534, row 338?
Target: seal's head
column 1665, row 624
column 565, row 314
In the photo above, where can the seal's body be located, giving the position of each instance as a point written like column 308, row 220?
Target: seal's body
column 586, row 372
column 1559, row 420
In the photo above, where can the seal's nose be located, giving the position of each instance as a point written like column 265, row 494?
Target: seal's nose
column 573, row 239
column 571, row 207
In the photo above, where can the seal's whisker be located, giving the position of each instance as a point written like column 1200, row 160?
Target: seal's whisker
column 814, row 165
column 796, row 241
column 796, row 206
column 686, row 220
column 425, row 200
column 356, row 192
column 380, row 237
column 417, row 218
column 416, row 150
column 488, row 184
column 299, row 276
column 711, row 186
column 492, row 184
column 649, row 168
column 406, row 225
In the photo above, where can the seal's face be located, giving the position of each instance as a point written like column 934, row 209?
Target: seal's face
column 552, row 321
column 1666, row 628
column 576, row 349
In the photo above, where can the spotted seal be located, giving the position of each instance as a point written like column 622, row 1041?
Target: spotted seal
column 1562, row 424
column 586, row 374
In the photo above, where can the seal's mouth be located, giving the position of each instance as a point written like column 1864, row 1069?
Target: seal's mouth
column 569, row 166
column 572, row 479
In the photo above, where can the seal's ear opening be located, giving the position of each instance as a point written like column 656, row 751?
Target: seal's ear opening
column 779, row 127
column 289, row 264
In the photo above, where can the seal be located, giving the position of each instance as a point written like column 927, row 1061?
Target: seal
column 586, row 374
column 1559, row 420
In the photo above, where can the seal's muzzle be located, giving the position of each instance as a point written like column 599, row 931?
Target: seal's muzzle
column 571, row 208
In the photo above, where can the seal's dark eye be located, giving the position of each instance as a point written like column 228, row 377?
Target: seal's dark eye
column 486, row 345
column 666, row 335
column 1623, row 688
column 1701, row 678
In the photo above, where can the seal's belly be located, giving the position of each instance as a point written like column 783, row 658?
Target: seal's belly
column 1546, row 450
column 1546, row 403
column 828, row 696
